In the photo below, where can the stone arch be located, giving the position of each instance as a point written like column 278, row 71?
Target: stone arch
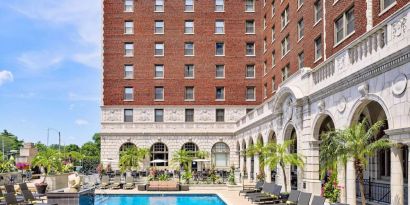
column 283, row 94
column 126, row 146
column 361, row 104
column 259, row 139
column 324, row 119
column 220, row 155
column 290, row 133
column 159, row 150
column 272, row 136
column 252, row 158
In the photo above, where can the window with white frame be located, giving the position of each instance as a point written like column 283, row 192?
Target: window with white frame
column 285, row 73
column 285, row 17
column 159, row 49
column 273, row 33
column 129, row 49
column 189, row 27
column 318, row 48
column 159, row 27
column 249, row 5
column 128, row 71
column 219, row 27
column 250, row 49
column 220, row 115
column 128, row 27
column 189, row 49
column 128, row 93
column 301, row 28
column 273, row 84
column 385, row 4
column 128, row 115
column 159, row 5
column 300, row 3
column 159, row 93
column 301, row 60
column 129, row 5
column 273, row 59
column 344, row 25
column 159, row 71
column 264, row 22
column 189, row 5
column 219, row 5
column 220, row 155
column 220, row 71
column 189, row 93
column 265, row 90
column 220, row 93
column 189, row 71
column 219, row 49
column 285, row 45
column 250, row 71
column 318, row 8
column 249, row 26
column 159, row 115
column 250, row 93
column 264, row 45
column 189, row 115
column 265, row 67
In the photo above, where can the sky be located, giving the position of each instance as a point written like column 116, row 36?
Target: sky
column 50, row 69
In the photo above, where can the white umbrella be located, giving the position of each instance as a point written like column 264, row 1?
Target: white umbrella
column 201, row 160
column 159, row 161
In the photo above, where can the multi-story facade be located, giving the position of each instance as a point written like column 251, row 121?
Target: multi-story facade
column 219, row 75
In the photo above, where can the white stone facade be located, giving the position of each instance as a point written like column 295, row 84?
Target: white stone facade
column 373, row 68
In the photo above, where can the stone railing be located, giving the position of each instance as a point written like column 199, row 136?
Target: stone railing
column 256, row 114
column 368, row 44
column 164, row 127
column 323, row 71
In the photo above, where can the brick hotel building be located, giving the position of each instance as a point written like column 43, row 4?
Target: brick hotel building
column 220, row 75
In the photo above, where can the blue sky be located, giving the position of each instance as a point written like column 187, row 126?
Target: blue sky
column 50, row 69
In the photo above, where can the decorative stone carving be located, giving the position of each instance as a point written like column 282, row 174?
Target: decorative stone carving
column 205, row 115
column 174, row 115
column 340, row 61
column 143, row 115
column 341, row 105
column 235, row 114
column 399, row 84
column 363, row 89
column 399, row 27
column 321, row 106
column 287, row 109
column 112, row 115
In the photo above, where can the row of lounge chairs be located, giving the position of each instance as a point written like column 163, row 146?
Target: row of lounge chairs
column 26, row 196
column 116, row 184
column 269, row 194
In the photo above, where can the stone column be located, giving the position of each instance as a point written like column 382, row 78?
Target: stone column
column 268, row 175
column 248, row 167
column 341, row 177
column 396, row 176
column 256, row 167
column 350, row 183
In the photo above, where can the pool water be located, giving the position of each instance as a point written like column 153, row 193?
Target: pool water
column 159, row 199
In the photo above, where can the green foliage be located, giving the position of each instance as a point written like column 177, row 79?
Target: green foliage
column 258, row 149
column 213, row 177
column 132, row 157
column 72, row 148
column 331, row 190
column 50, row 160
column 163, row 177
column 11, row 142
column 40, row 146
column 186, row 176
column 90, row 149
column 97, row 139
column 7, row 166
column 182, row 157
column 231, row 176
column 90, row 164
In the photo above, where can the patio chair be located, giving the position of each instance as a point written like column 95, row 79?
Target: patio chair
column 28, row 197
column 23, row 186
column 304, row 198
column 318, row 200
column 271, row 196
column 129, row 183
column 117, row 182
column 105, row 182
column 265, row 187
column 257, row 188
column 269, row 189
column 293, row 199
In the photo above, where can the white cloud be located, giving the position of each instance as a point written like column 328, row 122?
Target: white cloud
column 41, row 60
column 72, row 96
column 5, row 76
column 81, row 122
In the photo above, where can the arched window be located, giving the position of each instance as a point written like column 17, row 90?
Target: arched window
column 220, row 155
column 190, row 147
column 126, row 146
column 159, row 151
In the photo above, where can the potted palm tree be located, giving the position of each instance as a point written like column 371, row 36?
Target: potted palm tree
column 184, row 158
column 356, row 143
column 131, row 158
column 49, row 160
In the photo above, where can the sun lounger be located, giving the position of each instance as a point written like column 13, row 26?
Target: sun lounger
column 267, row 192
column 129, row 183
column 105, row 182
column 318, row 200
column 23, row 186
column 117, row 183
column 293, row 199
column 265, row 187
column 273, row 195
column 28, row 197
column 258, row 188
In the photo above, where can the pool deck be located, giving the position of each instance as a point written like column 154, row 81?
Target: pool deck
column 229, row 197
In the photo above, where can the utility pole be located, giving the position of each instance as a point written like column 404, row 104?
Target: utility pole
column 2, row 144
column 59, row 142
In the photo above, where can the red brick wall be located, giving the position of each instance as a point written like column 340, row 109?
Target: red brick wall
column 174, row 60
column 378, row 17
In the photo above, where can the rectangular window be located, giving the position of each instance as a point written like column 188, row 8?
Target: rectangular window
column 128, row 27
column 189, row 115
column 265, row 90
column 250, row 71
column 189, row 71
column 220, row 71
column 285, row 17
column 273, row 8
column 273, row 33
column 159, row 49
column 189, row 5
column 129, row 49
column 250, row 26
column 384, row 4
column 285, row 45
column 264, row 45
column 159, row 71
column 189, row 93
column 159, row 5
column 265, row 67
column 189, row 49
column 129, row 5
column 301, row 28
column 250, row 49
column 159, row 115
column 273, row 59
column 219, row 49
column 220, row 93
column 189, row 27
column 249, row 5
column 128, row 93
column 318, row 10
column 344, row 25
column 301, row 60
column 159, row 27
column 128, row 115
column 250, row 93
column 318, row 48
column 285, row 73
column 219, row 5
column 159, row 93
column 219, row 26
column 264, row 22
column 220, row 115
column 273, row 84
column 300, row 3
column 128, row 71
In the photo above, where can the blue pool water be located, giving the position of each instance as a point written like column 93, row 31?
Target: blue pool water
column 159, row 199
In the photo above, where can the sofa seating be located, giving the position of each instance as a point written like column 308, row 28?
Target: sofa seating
column 163, row 186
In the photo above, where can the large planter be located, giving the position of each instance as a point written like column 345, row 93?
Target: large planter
column 41, row 188
column 57, row 181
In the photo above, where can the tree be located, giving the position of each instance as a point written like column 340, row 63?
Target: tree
column 40, row 146
column 182, row 157
column 90, row 149
column 97, row 139
column 275, row 154
column 357, row 143
column 11, row 142
column 72, row 148
column 49, row 159
column 258, row 149
column 132, row 157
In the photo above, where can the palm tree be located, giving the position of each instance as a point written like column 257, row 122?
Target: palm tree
column 182, row 157
column 357, row 143
column 275, row 154
column 258, row 149
column 132, row 157
column 49, row 159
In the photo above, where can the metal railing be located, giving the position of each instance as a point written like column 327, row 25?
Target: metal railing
column 375, row 191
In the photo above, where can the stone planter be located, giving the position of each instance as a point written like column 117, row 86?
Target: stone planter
column 57, row 181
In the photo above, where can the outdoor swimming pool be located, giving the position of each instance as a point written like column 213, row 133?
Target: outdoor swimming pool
column 159, row 199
